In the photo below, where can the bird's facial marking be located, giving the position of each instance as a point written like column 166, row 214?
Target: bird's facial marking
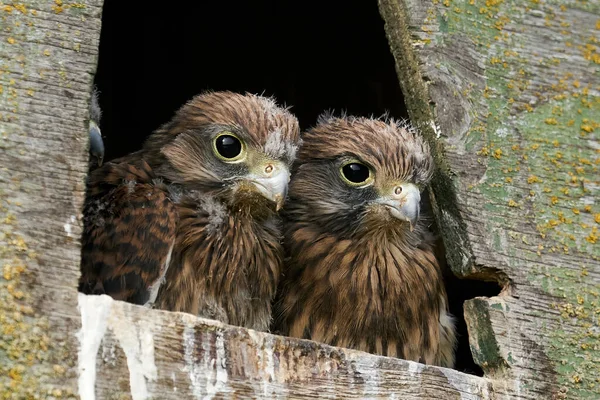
column 269, row 178
column 229, row 148
column 277, row 147
column 402, row 201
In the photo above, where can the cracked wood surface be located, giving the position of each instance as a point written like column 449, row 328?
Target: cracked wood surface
column 53, row 347
column 511, row 88
column 48, row 54
column 163, row 355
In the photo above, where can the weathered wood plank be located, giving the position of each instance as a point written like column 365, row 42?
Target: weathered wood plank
column 513, row 87
column 48, row 54
column 163, row 355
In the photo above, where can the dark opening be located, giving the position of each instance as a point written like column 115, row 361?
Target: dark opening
column 313, row 56
column 460, row 290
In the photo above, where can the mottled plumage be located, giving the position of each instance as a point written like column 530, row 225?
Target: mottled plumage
column 360, row 268
column 196, row 208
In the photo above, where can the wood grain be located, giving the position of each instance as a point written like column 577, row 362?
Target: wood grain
column 140, row 353
column 48, row 55
column 511, row 89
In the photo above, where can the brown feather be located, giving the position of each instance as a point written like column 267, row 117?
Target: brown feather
column 227, row 254
column 354, row 276
column 126, row 213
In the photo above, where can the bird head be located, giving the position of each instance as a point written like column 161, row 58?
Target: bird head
column 357, row 175
column 236, row 147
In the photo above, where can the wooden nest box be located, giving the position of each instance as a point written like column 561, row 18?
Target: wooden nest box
column 508, row 94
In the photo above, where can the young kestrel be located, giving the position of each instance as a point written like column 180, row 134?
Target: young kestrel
column 189, row 223
column 361, row 271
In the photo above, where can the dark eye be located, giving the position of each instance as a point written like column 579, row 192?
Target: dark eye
column 356, row 173
column 228, row 147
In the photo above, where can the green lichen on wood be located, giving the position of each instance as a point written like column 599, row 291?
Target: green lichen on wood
column 484, row 348
column 37, row 356
column 537, row 142
column 575, row 346
column 534, row 126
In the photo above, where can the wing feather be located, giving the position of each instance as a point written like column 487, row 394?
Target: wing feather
column 129, row 228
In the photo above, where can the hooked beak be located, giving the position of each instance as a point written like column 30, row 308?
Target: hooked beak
column 272, row 185
column 404, row 203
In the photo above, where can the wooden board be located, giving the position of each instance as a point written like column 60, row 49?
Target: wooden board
column 140, row 353
column 511, row 89
column 48, row 54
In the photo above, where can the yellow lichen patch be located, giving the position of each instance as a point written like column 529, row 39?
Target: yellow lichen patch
column 512, row 203
column 11, row 40
column 484, row 151
column 593, row 236
column 21, row 8
column 533, row 179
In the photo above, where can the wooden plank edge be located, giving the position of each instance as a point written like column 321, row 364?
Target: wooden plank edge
column 174, row 355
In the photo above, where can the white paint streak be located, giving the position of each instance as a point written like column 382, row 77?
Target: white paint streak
column 208, row 375
column 265, row 363
column 415, row 368
column 174, row 379
column 94, row 312
column 68, row 227
column 464, row 387
column 436, row 130
column 218, row 377
column 268, row 367
column 195, row 373
column 137, row 342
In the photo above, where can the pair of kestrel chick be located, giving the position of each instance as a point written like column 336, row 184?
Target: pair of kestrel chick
column 194, row 222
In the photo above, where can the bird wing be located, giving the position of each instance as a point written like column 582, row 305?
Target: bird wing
column 129, row 230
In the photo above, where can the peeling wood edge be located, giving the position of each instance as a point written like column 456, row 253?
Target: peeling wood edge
column 210, row 372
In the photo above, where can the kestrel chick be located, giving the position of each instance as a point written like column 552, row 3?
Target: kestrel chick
column 361, row 271
column 196, row 208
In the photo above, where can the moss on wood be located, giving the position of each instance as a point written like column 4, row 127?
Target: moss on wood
column 514, row 87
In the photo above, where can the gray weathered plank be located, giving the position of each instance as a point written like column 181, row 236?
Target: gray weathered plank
column 511, row 87
column 164, row 355
column 48, row 55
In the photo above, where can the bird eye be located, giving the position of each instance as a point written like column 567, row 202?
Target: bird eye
column 356, row 173
column 228, row 147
